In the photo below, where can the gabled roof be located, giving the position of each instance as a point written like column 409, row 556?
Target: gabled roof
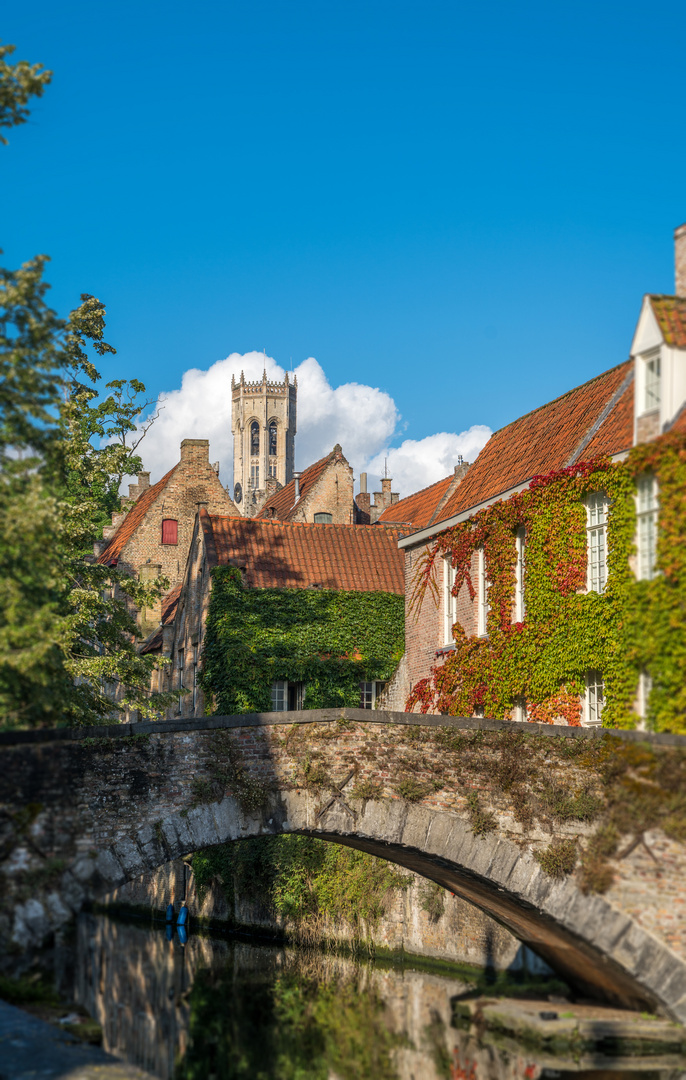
column 276, row 554
column 418, row 510
column 591, row 419
column 134, row 517
column 170, row 603
column 282, row 502
column 670, row 312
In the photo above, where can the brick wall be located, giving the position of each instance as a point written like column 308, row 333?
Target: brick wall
column 194, row 481
column 680, row 260
column 331, row 494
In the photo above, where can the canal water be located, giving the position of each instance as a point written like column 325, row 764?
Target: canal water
column 217, row 1008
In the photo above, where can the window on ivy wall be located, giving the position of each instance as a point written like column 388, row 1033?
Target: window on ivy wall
column 449, row 601
column 483, row 606
column 287, row 695
column 519, row 710
column 645, row 686
column 170, row 531
column 520, row 606
column 369, row 692
column 596, row 536
column 646, row 520
column 595, row 699
column 652, row 380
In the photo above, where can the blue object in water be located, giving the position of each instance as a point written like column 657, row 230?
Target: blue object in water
column 183, row 916
column 170, row 931
column 182, row 931
column 170, row 913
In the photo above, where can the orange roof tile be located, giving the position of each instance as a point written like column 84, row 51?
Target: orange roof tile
column 557, row 434
column 133, row 518
column 616, row 433
column 417, row 510
column 286, row 555
column 282, row 502
column 670, row 312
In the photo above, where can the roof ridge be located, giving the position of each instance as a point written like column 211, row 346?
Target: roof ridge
column 275, row 523
column 420, row 491
column 157, row 488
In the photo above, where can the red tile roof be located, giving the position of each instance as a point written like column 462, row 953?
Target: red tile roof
column 679, row 423
column 670, row 312
column 170, row 603
column 133, row 518
column 275, row 554
column 417, row 510
column 282, row 502
column 564, row 431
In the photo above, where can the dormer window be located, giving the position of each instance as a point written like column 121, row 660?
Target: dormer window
column 651, row 381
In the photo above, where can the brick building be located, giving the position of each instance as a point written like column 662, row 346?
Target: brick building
column 151, row 534
column 370, row 512
column 322, row 494
column 642, row 399
column 275, row 557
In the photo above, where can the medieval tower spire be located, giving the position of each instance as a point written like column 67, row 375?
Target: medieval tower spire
column 263, row 422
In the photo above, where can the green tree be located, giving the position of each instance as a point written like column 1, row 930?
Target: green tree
column 67, row 628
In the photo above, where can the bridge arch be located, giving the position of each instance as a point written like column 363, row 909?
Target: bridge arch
column 596, row 947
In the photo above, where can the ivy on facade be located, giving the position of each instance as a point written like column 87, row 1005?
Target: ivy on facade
column 633, row 627
column 327, row 640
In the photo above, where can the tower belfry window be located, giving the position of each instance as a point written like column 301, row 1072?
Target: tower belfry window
column 272, row 439
column 254, row 438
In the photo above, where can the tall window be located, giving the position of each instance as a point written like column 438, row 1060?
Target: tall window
column 482, row 594
column 272, row 469
column 646, row 513
column 170, row 531
column 595, row 699
column 369, row 692
column 596, row 535
column 520, row 606
column 652, row 382
column 272, row 439
column 280, row 696
column 254, row 477
column 645, row 686
column 519, row 711
column 449, row 602
column 254, row 438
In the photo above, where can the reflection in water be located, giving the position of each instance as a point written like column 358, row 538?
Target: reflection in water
column 225, row 1009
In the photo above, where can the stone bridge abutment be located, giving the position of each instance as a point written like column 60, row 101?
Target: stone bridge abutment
column 85, row 812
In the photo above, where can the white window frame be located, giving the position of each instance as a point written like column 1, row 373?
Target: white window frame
column 279, row 692
column 483, row 606
column 449, row 602
column 652, row 380
column 594, row 699
column 645, row 687
column 646, row 526
column 597, row 509
column 369, row 692
column 520, row 567
column 254, row 477
column 520, row 709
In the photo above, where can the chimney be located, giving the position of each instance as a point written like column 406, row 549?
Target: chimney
column 296, row 480
column 680, row 261
column 195, row 452
column 143, row 481
column 363, row 483
column 386, row 491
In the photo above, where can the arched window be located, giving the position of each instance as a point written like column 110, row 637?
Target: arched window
column 254, row 438
column 272, row 439
column 170, row 531
column 323, row 519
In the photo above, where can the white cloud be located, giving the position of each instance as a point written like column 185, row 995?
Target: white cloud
column 416, row 463
column 363, row 419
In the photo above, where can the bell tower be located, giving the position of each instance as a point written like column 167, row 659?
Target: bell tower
column 263, row 422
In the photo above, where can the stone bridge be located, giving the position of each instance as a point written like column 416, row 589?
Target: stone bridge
column 84, row 811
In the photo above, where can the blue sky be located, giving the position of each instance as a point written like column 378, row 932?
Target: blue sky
column 460, row 204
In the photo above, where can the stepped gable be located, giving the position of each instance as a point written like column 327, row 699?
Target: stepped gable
column 670, row 312
column 286, row 555
column 170, row 604
column 554, row 436
column 418, row 510
column 134, row 517
column 280, row 504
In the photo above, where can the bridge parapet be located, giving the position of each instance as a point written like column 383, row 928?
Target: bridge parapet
column 522, row 820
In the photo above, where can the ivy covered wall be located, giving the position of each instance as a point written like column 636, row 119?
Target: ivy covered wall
column 328, row 640
column 632, row 627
